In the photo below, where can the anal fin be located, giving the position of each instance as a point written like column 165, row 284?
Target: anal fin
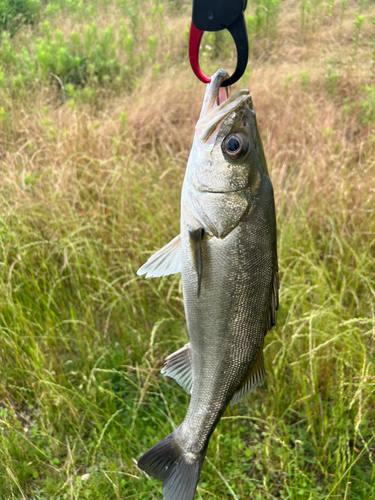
column 165, row 261
column 178, row 367
column 254, row 379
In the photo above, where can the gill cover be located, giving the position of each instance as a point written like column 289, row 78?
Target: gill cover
column 218, row 178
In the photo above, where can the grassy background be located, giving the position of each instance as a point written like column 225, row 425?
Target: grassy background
column 97, row 113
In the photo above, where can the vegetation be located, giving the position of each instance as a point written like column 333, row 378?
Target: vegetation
column 98, row 107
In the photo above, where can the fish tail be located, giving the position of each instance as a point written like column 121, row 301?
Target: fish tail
column 178, row 470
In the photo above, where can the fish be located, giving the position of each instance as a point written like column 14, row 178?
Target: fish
column 226, row 253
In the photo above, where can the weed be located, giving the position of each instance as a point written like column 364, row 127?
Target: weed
column 332, row 80
column 14, row 13
column 266, row 16
column 357, row 32
column 305, row 7
column 342, row 11
column 368, row 105
column 305, row 80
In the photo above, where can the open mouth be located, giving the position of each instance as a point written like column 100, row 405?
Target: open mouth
column 215, row 94
column 220, row 94
column 217, row 105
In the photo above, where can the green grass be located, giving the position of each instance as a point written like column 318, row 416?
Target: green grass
column 96, row 122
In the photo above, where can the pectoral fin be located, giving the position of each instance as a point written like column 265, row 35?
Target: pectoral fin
column 165, row 261
column 274, row 301
column 255, row 379
column 178, row 367
column 196, row 250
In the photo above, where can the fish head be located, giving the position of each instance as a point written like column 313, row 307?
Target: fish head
column 227, row 153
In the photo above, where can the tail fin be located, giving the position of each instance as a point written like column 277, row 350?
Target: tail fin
column 179, row 471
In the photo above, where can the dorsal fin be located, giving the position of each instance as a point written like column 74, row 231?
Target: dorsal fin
column 165, row 261
column 178, row 367
column 254, row 379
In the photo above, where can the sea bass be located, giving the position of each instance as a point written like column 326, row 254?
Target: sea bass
column 226, row 253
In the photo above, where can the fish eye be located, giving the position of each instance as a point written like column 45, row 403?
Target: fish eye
column 235, row 145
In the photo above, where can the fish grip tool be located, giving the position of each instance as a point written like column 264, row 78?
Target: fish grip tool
column 217, row 15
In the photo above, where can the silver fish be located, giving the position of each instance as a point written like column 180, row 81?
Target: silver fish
column 226, row 253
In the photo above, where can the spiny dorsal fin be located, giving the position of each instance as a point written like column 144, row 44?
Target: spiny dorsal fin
column 178, row 367
column 255, row 378
column 165, row 261
column 196, row 249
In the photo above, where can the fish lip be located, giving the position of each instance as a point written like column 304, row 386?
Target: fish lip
column 215, row 94
column 220, row 107
column 210, row 119
column 217, row 105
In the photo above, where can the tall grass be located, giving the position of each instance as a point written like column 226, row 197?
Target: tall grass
column 94, row 138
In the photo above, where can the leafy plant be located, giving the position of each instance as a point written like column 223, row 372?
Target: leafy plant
column 357, row 32
column 342, row 11
column 368, row 105
column 305, row 7
column 266, row 16
column 305, row 79
column 332, row 79
column 14, row 13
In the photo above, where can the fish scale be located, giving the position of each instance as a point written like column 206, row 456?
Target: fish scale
column 226, row 253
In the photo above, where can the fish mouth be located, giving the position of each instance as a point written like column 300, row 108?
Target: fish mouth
column 217, row 105
column 215, row 93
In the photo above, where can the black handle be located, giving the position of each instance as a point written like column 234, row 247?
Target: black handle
column 216, row 15
column 239, row 34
